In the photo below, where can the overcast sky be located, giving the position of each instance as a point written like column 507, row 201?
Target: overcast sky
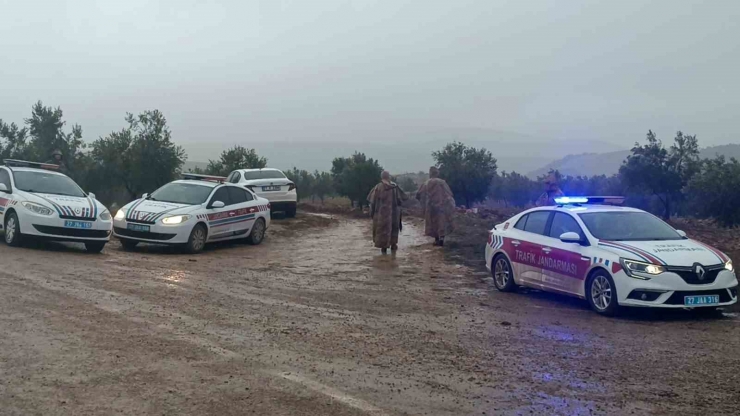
column 243, row 71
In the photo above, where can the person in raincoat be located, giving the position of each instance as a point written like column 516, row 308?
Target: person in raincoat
column 385, row 209
column 438, row 205
column 552, row 191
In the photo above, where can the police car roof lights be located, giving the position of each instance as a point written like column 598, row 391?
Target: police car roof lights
column 209, row 178
column 581, row 200
column 14, row 163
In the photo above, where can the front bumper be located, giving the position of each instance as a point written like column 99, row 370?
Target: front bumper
column 157, row 234
column 668, row 290
column 53, row 228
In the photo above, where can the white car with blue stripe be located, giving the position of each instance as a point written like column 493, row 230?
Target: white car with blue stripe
column 192, row 212
column 36, row 201
column 612, row 256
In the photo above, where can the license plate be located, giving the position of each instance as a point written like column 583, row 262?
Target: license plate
column 701, row 300
column 138, row 227
column 77, row 224
column 270, row 188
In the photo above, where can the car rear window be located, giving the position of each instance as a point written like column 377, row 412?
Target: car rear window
column 264, row 174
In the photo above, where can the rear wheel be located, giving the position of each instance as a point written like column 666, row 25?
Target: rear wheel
column 602, row 294
column 258, row 232
column 290, row 211
column 503, row 275
column 197, row 240
column 13, row 234
column 129, row 245
column 94, row 247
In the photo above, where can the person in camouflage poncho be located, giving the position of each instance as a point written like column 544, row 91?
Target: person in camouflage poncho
column 438, row 204
column 385, row 209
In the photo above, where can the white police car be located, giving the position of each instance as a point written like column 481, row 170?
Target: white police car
column 610, row 255
column 271, row 184
column 192, row 212
column 36, row 201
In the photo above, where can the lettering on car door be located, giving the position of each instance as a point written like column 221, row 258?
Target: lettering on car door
column 564, row 266
column 525, row 247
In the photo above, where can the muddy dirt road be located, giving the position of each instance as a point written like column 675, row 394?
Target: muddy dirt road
column 315, row 322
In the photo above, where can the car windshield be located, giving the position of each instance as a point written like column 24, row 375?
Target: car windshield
column 264, row 174
column 628, row 226
column 182, row 193
column 46, row 183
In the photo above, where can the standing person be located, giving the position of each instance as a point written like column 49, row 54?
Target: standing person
column 58, row 159
column 438, row 204
column 385, row 210
column 552, row 191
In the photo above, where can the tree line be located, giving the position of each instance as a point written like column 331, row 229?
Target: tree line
column 141, row 157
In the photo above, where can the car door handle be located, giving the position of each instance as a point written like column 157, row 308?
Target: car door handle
column 546, row 249
column 515, row 242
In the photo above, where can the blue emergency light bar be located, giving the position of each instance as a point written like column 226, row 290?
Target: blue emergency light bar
column 14, row 163
column 209, row 178
column 581, row 200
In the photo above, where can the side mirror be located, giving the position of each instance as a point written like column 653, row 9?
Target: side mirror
column 145, row 196
column 570, row 237
column 217, row 204
column 681, row 233
column 4, row 188
column 91, row 195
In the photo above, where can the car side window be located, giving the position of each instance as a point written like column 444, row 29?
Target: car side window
column 249, row 195
column 521, row 223
column 564, row 223
column 236, row 195
column 221, row 194
column 235, row 177
column 536, row 222
column 5, row 178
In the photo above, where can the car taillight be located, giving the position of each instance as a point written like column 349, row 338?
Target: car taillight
column 490, row 237
column 269, row 207
column 291, row 186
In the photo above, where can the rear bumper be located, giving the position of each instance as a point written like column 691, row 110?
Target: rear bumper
column 279, row 197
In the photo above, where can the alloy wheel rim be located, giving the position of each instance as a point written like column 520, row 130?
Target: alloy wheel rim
column 259, row 230
column 10, row 230
column 198, row 239
column 601, row 293
column 501, row 274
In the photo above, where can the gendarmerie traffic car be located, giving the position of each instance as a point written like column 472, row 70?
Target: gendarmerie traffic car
column 192, row 212
column 37, row 201
column 610, row 255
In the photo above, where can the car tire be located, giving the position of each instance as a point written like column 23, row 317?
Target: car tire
column 129, row 245
column 503, row 274
column 197, row 240
column 12, row 228
column 94, row 247
column 601, row 294
column 290, row 211
column 258, row 232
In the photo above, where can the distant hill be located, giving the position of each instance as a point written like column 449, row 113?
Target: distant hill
column 590, row 164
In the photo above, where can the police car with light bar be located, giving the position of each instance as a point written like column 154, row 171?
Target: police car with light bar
column 610, row 255
column 192, row 212
column 37, row 201
column 271, row 184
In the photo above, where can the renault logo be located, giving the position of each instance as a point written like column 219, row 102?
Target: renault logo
column 700, row 272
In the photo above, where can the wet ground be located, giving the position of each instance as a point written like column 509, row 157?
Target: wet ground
column 316, row 322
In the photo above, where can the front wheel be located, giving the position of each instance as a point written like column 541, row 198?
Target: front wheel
column 258, row 232
column 503, row 276
column 12, row 230
column 602, row 294
column 94, row 247
column 197, row 240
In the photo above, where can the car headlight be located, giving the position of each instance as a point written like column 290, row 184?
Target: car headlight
column 120, row 214
column 37, row 208
column 105, row 216
column 632, row 267
column 728, row 266
column 175, row 219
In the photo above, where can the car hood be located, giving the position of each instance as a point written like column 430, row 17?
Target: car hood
column 150, row 211
column 268, row 182
column 683, row 253
column 68, row 206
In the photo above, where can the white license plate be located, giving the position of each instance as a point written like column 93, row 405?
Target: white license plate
column 77, row 224
column 138, row 227
column 270, row 188
column 701, row 300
